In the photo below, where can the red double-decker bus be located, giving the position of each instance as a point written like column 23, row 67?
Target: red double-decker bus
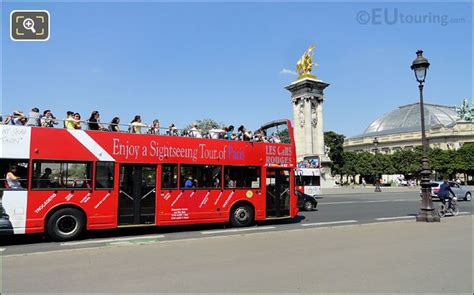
column 63, row 182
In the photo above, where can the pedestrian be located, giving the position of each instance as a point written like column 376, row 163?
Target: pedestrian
column 364, row 183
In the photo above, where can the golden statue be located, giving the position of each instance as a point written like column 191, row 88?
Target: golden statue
column 304, row 66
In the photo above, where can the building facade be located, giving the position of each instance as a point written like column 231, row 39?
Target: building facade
column 401, row 129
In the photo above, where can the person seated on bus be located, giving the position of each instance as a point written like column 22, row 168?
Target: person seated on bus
column 69, row 122
column 172, row 130
column 217, row 183
column 48, row 119
column 244, row 134
column 114, row 125
column 155, row 127
column 12, row 180
column 215, row 133
column 228, row 182
column 260, row 136
column 230, row 135
column 77, row 121
column 136, row 125
column 275, row 138
column 194, row 132
column 34, row 118
column 94, row 122
column 189, row 182
column 45, row 179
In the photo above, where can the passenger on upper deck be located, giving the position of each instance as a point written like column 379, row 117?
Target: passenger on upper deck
column 136, row 125
column 48, row 119
column 33, row 118
column 114, row 125
column 217, row 133
column 94, row 121
column 275, row 138
column 244, row 134
column 155, row 127
column 194, row 132
column 172, row 130
column 74, row 121
column 69, row 122
column 230, row 135
column 12, row 180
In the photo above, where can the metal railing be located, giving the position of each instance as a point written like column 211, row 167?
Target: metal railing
column 142, row 128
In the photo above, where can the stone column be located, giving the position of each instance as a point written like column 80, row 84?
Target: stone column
column 307, row 98
column 319, row 145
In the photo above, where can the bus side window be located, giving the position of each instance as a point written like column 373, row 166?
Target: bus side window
column 104, row 175
column 200, row 176
column 169, row 176
column 62, row 175
column 13, row 174
column 242, row 176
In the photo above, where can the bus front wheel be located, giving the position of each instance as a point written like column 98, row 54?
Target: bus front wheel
column 242, row 215
column 65, row 224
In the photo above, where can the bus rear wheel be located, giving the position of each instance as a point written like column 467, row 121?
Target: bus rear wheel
column 242, row 215
column 65, row 224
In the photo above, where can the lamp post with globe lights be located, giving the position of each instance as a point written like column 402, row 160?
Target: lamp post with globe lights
column 426, row 213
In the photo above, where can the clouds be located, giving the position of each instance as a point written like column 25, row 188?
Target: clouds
column 288, row 72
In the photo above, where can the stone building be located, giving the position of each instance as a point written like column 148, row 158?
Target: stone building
column 401, row 129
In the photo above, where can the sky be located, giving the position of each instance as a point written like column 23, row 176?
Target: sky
column 180, row 62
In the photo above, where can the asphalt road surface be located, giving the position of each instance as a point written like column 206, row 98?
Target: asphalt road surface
column 332, row 210
column 386, row 257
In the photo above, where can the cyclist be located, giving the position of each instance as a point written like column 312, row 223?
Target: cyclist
column 445, row 192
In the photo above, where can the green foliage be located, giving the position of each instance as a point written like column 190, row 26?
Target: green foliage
column 465, row 158
column 335, row 143
column 408, row 162
column 206, row 124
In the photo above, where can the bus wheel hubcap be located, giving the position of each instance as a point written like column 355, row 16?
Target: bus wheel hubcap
column 67, row 224
column 241, row 214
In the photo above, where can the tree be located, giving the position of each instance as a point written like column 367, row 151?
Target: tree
column 335, row 142
column 206, row 124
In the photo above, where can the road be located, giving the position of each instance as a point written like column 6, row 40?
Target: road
column 332, row 210
column 385, row 257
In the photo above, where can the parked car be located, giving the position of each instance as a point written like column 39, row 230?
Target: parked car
column 306, row 202
column 462, row 192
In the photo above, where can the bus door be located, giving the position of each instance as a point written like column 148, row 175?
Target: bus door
column 137, row 194
column 278, row 192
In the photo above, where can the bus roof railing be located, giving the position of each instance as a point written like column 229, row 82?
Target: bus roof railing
column 214, row 133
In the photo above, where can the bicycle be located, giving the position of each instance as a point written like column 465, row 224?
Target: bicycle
column 445, row 208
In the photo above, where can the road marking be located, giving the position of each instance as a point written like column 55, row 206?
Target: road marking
column 397, row 217
column 375, row 201
column 111, row 240
column 236, row 230
column 329, row 223
column 464, row 212
column 120, row 243
column 2, row 249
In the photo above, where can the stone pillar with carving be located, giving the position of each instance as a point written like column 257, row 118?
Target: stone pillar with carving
column 307, row 99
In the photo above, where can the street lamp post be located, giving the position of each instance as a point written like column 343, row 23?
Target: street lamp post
column 426, row 213
column 377, row 180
